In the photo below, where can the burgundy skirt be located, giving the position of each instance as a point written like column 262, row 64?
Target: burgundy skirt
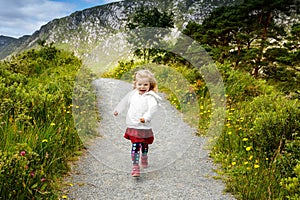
column 139, row 135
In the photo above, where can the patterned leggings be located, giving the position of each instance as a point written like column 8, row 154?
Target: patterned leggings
column 135, row 151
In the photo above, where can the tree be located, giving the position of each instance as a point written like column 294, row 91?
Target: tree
column 143, row 18
column 241, row 33
column 293, row 45
column 262, row 15
column 287, row 62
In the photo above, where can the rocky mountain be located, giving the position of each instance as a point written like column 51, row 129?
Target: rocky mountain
column 82, row 30
column 4, row 40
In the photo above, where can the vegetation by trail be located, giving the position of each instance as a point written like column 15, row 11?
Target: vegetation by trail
column 258, row 58
column 38, row 135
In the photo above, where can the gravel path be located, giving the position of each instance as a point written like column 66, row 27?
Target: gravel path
column 179, row 165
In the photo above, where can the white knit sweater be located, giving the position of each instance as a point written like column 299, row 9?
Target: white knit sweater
column 139, row 106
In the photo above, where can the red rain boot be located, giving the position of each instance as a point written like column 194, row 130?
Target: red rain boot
column 135, row 171
column 144, row 161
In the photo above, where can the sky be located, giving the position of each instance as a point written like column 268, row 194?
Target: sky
column 24, row 17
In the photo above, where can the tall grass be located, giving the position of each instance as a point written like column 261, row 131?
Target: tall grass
column 37, row 130
column 259, row 147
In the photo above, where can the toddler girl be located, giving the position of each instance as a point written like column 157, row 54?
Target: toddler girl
column 142, row 103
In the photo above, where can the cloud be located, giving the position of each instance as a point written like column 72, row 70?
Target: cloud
column 24, row 17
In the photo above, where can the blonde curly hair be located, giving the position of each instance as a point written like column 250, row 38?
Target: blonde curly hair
column 144, row 73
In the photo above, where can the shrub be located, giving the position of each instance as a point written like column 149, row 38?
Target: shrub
column 37, row 130
column 22, row 175
column 259, row 147
column 241, row 86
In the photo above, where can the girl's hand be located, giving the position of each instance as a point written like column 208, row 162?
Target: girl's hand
column 142, row 120
column 116, row 113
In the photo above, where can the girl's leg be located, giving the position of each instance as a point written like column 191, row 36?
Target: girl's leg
column 144, row 157
column 135, row 156
column 135, row 153
column 144, row 149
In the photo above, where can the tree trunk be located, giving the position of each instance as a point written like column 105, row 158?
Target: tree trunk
column 263, row 40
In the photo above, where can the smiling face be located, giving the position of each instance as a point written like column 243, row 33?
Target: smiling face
column 142, row 85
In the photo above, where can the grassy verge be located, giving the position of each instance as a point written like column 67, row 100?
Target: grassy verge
column 37, row 131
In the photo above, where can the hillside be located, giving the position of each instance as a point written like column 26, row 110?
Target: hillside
column 82, row 30
column 4, row 40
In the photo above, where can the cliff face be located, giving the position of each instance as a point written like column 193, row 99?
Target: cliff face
column 82, row 30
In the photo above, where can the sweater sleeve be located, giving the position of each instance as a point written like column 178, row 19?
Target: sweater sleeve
column 123, row 103
column 152, row 108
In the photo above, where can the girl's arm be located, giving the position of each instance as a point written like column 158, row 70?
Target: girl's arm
column 152, row 108
column 122, row 104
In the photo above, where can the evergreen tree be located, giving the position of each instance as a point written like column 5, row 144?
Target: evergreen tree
column 143, row 18
column 293, row 44
column 285, row 66
column 241, row 33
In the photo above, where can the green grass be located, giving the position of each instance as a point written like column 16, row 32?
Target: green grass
column 259, row 147
column 38, row 134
